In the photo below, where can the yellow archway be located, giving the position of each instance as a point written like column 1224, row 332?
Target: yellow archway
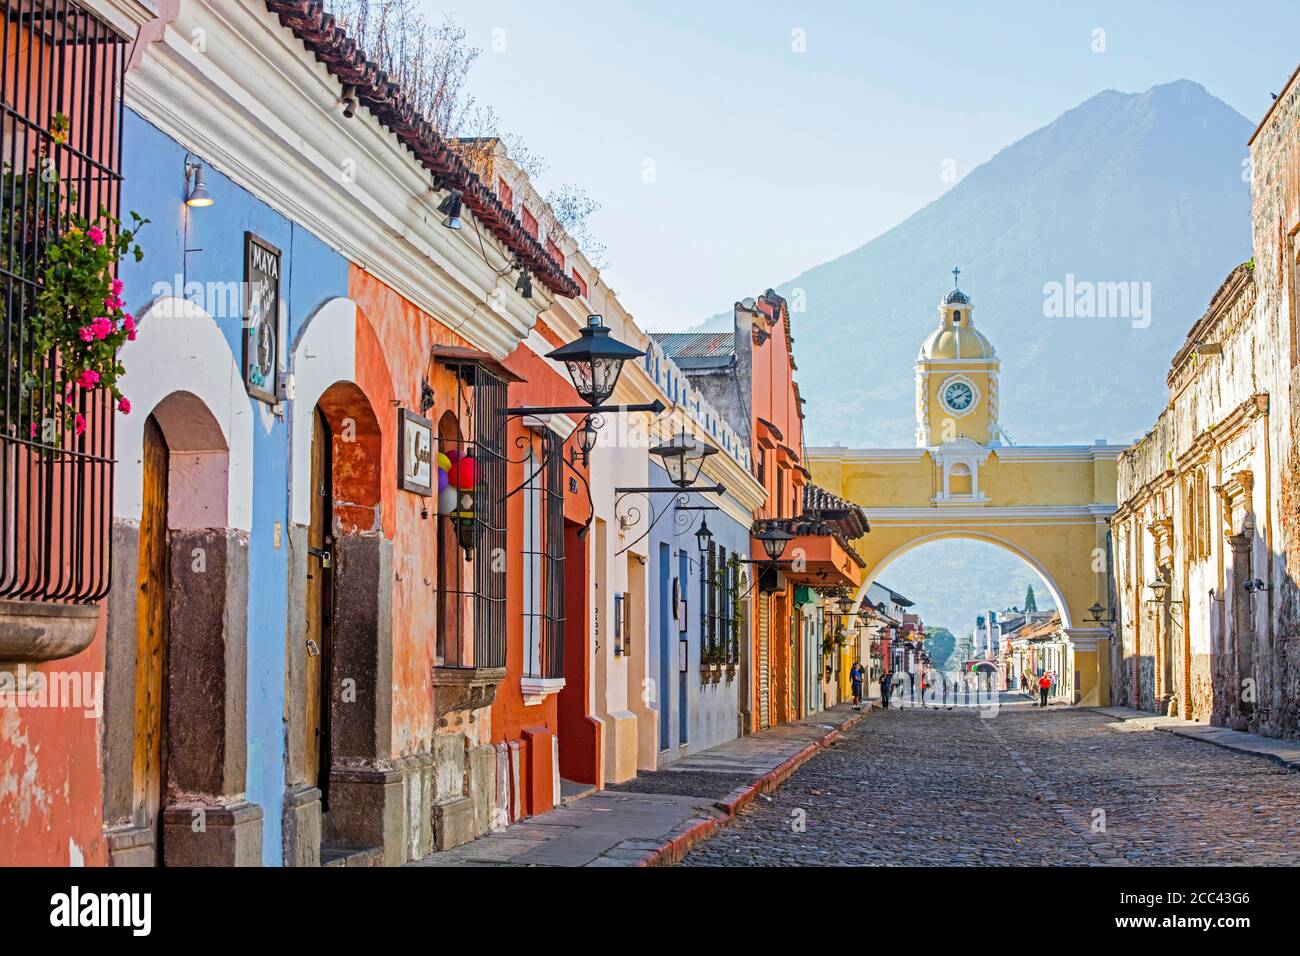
column 1048, row 504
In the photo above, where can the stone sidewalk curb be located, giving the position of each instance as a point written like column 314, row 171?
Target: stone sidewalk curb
column 1285, row 753
column 729, row 806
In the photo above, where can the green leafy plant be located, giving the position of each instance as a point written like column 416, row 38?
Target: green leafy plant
column 78, row 321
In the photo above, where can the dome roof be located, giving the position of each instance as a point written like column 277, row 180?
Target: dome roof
column 956, row 297
column 956, row 343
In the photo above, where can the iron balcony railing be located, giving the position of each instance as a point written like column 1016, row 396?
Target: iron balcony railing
column 61, row 74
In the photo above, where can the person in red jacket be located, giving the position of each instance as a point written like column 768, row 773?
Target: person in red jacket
column 1044, row 685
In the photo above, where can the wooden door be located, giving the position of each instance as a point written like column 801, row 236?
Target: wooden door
column 319, row 604
column 149, row 771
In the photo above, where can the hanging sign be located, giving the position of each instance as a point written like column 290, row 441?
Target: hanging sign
column 415, row 453
column 261, row 318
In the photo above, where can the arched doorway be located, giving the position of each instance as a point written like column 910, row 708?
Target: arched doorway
column 339, row 658
column 189, row 754
column 174, row 742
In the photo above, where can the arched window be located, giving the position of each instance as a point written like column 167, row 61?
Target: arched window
column 956, row 317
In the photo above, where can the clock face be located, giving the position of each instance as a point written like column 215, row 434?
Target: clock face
column 958, row 396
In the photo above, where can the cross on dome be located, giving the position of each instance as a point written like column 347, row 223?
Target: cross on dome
column 956, row 296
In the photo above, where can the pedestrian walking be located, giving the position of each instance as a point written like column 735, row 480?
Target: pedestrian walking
column 855, row 679
column 1044, row 685
column 885, row 679
column 923, row 686
column 1024, row 684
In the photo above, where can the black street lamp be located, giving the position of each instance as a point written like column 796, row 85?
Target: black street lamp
column 846, row 605
column 705, row 537
column 774, row 541
column 1098, row 615
column 594, row 361
column 683, row 458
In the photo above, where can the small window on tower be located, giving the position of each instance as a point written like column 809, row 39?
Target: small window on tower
column 956, row 317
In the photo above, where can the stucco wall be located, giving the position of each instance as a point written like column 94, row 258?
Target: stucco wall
column 312, row 273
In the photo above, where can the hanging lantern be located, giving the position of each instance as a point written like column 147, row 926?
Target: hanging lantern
column 705, row 537
column 683, row 458
column 774, row 541
column 594, row 361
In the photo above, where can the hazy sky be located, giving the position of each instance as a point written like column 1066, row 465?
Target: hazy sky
column 767, row 161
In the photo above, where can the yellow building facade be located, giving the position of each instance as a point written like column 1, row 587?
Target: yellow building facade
column 1048, row 504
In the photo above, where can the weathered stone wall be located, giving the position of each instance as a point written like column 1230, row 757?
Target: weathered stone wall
column 1275, row 214
column 1211, row 496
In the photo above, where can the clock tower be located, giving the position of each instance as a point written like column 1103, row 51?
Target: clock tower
column 956, row 379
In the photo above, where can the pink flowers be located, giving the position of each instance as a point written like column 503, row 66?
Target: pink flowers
column 97, row 330
column 82, row 315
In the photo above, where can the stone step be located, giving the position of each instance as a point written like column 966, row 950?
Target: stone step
column 571, row 790
column 339, row 854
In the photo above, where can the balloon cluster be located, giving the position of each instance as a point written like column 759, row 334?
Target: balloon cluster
column 457, row 473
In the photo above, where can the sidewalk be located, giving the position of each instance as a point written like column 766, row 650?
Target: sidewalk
column 1285, row 752
column 655, row 818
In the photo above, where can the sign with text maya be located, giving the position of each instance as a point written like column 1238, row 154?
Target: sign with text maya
column 261, row 318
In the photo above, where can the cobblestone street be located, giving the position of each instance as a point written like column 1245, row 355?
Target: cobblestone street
column 926, row 787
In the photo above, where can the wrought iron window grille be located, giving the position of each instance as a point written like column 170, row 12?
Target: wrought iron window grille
column 471, row 531
column 543, row 554
column 60, row 147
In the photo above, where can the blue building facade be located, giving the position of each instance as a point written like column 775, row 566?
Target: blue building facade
column 198, row 255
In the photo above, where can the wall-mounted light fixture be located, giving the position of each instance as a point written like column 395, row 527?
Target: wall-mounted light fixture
column 451, row 208
column 1099, row 615
column 196, row 190
column 587, row 438
column 524, row 284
